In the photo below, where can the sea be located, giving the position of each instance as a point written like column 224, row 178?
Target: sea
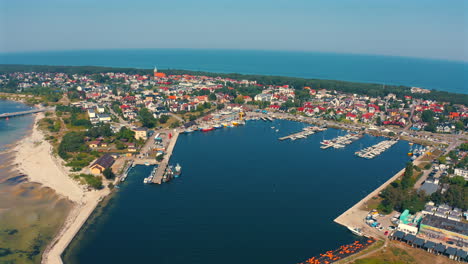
column 243, row 197
column 15, row 128
column 30, row 215
column 451, row 76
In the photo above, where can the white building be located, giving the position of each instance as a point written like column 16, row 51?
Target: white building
column 461, row 172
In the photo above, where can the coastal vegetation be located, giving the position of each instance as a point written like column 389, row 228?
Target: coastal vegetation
column 400, row 195
column 91, row 180
column 371, row 89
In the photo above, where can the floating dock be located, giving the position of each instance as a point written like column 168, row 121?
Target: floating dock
column 304, row 133
column 340, row 142
column 375, row 150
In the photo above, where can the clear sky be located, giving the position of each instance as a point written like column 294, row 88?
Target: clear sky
column 416, row 28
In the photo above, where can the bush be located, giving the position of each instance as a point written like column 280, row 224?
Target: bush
column 93, row 181
column 71, row 142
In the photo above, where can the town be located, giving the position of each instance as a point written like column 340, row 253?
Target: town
column 104, row 123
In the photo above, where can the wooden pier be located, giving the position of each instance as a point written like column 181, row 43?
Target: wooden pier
column 304, row 133
column 164, row 163
column 8, row 115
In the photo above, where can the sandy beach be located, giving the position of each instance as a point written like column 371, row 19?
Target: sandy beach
column 35, row 158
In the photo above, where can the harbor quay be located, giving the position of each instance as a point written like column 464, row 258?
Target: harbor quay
column 162, row 167
column 354, row 217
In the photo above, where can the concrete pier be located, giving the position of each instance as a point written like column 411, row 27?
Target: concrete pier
column 5, row 115
column 163, row 165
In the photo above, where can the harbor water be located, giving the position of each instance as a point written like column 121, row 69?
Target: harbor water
column 243, row 197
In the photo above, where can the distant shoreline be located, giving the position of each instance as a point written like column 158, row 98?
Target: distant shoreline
column 367, row 88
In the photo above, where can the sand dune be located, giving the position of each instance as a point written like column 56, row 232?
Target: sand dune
column 35, row 158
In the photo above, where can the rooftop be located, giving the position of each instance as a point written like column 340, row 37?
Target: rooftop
column 446, row 224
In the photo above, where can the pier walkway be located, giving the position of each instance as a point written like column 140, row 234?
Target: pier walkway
column 8, row 115
column 304, row 133
column 163, row 165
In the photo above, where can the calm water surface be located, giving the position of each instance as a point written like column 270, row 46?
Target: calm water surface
column 243, row 197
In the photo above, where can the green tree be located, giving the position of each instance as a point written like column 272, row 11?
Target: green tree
column 239, row 99
column 163, row 119
column 108, row 173
column 212, row 97
column 146, row 117
column 407, row 179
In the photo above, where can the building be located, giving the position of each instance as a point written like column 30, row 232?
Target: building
column 104, row 118
column 461, row 172
column 444, row 229
column 91, row 113
column 140, row 133
column 101, row 164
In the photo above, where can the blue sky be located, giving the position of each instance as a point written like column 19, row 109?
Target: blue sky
column 416, row 28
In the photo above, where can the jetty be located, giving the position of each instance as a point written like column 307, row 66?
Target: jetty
column 8, row 115
column 164, row 163
column 340, row 142
column 375, row 150
column 126, row 170
column 307, row 131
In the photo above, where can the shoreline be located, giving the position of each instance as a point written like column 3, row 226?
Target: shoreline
column 354, row 216
column 33, row 157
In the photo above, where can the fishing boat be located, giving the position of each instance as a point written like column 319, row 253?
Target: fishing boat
column 356, row 231
column 188, row 130
column 217, row 126
column 206, row 129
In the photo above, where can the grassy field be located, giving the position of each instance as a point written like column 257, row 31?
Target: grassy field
column 400, row 253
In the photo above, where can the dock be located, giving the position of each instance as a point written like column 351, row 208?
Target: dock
column 165, row 162
column 8, row 115
column 126, row 170
column 375, row 150
column 340, row 142
column 304, row 133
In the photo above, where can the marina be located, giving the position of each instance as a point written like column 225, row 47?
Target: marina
column 375, row 150
column 223, row 186
column 341, row 141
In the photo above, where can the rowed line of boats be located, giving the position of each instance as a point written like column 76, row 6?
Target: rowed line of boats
column 170, row 173
column 307, row 131
column 340, row 142
column 375, row 150
column 207, row 128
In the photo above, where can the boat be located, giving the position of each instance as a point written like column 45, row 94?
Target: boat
column 235, row 123
column 206, row 129
column 218, row 126
column 177, row 170
column 356, row 231
column 188, row 130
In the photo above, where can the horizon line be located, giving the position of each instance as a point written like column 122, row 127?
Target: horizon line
column 256, row 50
